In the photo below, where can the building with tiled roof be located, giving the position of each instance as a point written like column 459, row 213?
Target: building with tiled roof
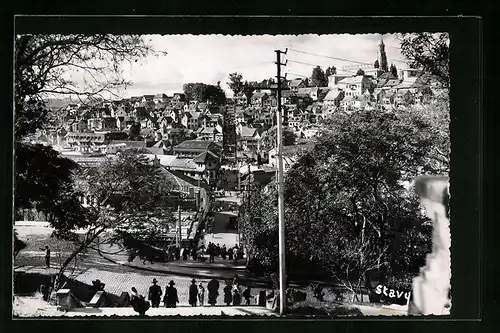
column 192, row 148
column 356, row 85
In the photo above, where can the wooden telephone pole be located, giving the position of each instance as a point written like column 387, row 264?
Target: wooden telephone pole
column 281, row 207
column 179, row 229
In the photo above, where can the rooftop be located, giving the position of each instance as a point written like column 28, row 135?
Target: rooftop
column 194, row 145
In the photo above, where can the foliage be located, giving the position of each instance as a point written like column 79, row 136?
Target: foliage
column 44, row 65
column 318, row 78
column 330, row 71
column 202, row 92
column 429, row 51
column 44, row 180
column 394, row 70
column 18, row 244
column 376, row 64
column 346, row 206
column 134, row 131
column 360, row 72
column 130, row 194
column 268, row 139
column 236, row 83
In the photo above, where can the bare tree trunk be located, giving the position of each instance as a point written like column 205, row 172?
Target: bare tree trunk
column 73, row 255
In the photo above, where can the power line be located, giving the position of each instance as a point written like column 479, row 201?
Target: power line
column 297, row 74
column 316, row 65
column 334, row 58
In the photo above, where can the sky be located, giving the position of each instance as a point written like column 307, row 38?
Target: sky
column 211, row 58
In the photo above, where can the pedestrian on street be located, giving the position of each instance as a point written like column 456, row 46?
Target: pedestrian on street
column 193, row 293
column 211, row 252
column 201, row 294
column 177, row 253
column 223, row 252
column 213, row 291
column 217, row 250
column 236, row 295
column 193, row 253
column 170, row 299
column 47, row 255
column 228, row 297
column 236, row 280
column 247, row 294
column 235, row 255
column 230, row 254
column 184, row 254
column 155, row 293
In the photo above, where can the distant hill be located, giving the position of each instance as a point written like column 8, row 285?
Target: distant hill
column 55, row 103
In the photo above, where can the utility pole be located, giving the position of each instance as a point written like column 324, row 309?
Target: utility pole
column 179, row 235
column 281, row 207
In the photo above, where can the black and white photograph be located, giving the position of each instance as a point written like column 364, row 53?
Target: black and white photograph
column 231, row 175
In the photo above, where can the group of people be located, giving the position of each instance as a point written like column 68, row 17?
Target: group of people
column 170, row 297
column 196, row 296
column 214, row 250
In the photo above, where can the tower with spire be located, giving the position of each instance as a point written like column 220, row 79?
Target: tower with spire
column 382, row 57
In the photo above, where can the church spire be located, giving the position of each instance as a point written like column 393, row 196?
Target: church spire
column 382, row 57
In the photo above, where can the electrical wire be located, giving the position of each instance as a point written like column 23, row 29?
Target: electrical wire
column 334, row 58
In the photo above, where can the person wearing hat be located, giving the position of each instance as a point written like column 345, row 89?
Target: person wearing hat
column 155, row 294
column 228, row 296
column 193, row 293
column 170, row 299
column 213, row 291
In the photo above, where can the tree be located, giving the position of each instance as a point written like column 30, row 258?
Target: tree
column 44, row 181
column 236, row 83
column 268, row 139
column 360, row 72
column 215, row 95
column 346, row 206
column 194, row 91
column 43, row 67
column 202, row 92
column 394, row 70
column 129, row 193
column 44, row 64
column 330, row 71
column 248, row 90
column 376, row 64
column 429, row 51
column 318, row 78
column 134, row 131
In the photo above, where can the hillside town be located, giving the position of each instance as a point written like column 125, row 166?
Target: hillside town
column 198, row 139
column 219, row 155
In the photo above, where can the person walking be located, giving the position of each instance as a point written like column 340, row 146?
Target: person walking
column 223, row 252
column 211, row 252
column 236, row 295
column 201, row 294
column 170, row 299
column 228, row 297
column 155, row 293
column 193, row 253
column 213, row 291
column 47, row 255
column 184, row 253
column 193, row 293
column 235, row 255
column 236, row 280
column 247, row 294
column 230, row 254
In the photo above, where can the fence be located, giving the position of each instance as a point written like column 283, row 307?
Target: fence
column 31, row 215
